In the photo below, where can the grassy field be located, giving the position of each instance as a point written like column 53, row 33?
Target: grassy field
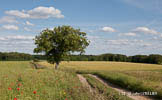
column 136, row 77
column 107, row 92
column 18, row 81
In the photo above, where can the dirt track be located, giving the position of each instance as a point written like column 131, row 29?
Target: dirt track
column 120, row 90
column 96, row 95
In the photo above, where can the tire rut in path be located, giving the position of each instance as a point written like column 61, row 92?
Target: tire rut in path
column 84, row 82
column 120, row 90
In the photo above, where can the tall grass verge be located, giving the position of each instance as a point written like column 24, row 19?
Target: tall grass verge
column 126, row 82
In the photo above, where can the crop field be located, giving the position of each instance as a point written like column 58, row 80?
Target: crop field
column 135, row 77
column 107, row 66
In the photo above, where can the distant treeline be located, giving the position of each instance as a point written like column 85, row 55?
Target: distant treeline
column 14, row 56
column 152, row 59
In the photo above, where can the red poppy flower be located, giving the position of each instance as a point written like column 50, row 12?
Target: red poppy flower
column 18, row 89
column 9, row 88
column 66, row 99
column 15, row 99
column 34, row 92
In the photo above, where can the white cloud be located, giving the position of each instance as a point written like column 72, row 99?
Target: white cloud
column 7, row 19
column 155, row 38
column 16, row 39
column 19, row 37
column 37, row 13
column 10, row 27
column 17, row 13
column 108, row 29
column 28, row 23
column 45, row 12
column 128, row 34
column 118, row 42
column 2, row 39
column 125, row 42
column 146, row 30
column 17, row 43
column 146, row 45
column 160, row 35
column 126, row 46
column 93, row 39
column 26, row 29
column 137, row 41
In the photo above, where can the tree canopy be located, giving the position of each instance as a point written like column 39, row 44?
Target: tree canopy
column 60, row 42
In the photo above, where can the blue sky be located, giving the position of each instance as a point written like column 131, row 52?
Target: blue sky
column 113, row 26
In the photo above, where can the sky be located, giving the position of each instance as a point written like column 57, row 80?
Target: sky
column 129, row 27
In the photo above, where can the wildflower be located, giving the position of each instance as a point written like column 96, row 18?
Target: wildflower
column 18, row 89
column 66, row 99
column 15, row 99
column 34, row 92
column 9, row 88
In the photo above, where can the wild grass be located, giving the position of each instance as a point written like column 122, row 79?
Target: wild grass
column 131, row 83
column 136, row 77
column 107, row 92
column 18, row 81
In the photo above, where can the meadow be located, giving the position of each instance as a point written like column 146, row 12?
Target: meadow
column 136, row 77
column 20, row 81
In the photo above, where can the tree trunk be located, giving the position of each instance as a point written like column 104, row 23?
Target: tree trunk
column 57, row 65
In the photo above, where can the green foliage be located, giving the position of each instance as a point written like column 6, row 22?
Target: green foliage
column 39, row 57
column 35, row 60
column 15, row 56
column 152, row 59
column 60, row 42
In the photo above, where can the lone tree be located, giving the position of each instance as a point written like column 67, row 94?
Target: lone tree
column 60, row 42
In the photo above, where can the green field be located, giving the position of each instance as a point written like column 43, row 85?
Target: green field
column 136, row 77
column 19, row 80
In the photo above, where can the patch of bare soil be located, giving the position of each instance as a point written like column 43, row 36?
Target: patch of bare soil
column 121, row 91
